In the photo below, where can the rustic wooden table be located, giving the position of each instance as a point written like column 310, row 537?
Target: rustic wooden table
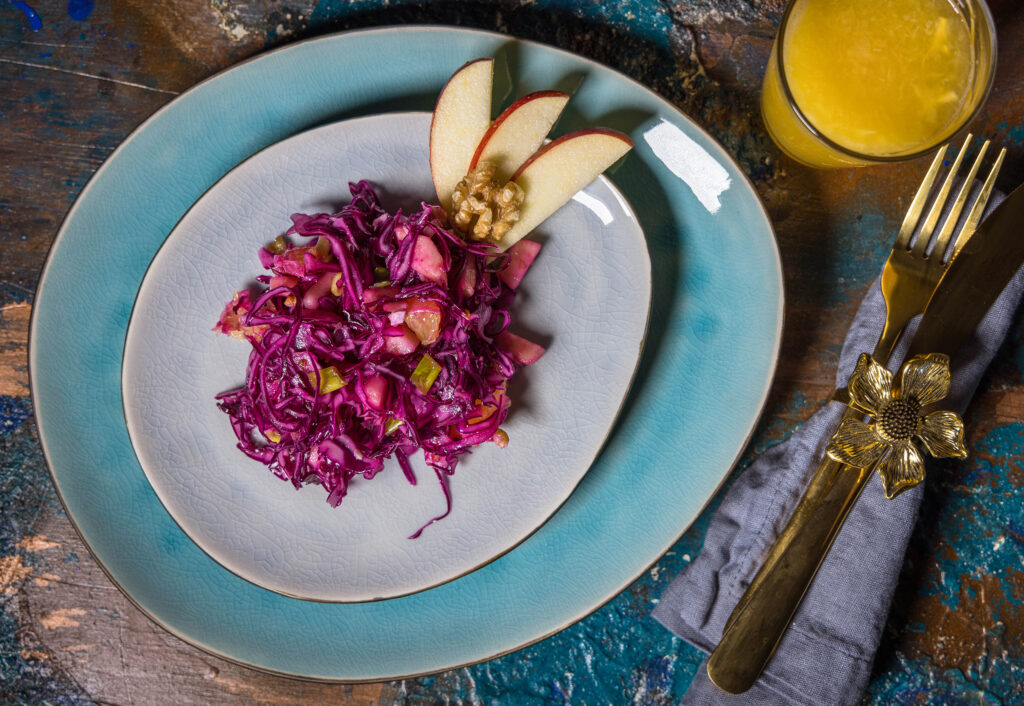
column 77, row 76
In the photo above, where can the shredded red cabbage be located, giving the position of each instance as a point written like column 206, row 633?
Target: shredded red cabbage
column 346, row 336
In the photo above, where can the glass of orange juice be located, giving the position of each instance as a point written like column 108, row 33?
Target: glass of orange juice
column 856, row 82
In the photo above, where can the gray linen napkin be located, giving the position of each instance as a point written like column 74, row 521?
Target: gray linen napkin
column 826, row 655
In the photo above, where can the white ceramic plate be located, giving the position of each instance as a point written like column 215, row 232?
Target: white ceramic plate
column 586, row 298
column 712, row 347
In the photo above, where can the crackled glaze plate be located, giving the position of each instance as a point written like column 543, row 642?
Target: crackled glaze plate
column 708, row 361
column 587, row 298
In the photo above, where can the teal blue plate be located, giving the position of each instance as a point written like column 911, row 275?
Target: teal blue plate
column 715, row 329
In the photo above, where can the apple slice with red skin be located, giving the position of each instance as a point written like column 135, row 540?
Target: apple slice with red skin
column 461, row 117
column 518, row 132
column 558, row 170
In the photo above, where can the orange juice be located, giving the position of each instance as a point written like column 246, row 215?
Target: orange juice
column 856, row 81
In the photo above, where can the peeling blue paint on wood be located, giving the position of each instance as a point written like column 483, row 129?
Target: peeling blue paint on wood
column 13, row 413
column 961, row 598
column 79, row 9
column 35, row 22
column 24, row 488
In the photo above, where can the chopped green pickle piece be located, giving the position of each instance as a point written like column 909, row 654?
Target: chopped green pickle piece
column 381, row 274
column 330, row 379
column 278, row 246
column 392, row 424
column 337, row 285
column 425, row 373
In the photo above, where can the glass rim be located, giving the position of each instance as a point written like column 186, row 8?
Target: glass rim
column 806, row 122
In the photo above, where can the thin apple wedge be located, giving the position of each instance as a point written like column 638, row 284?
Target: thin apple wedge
column 518, row 132
column 558, row 170
column 461, row 117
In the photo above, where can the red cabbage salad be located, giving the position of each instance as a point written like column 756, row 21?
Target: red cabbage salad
column 375, row 335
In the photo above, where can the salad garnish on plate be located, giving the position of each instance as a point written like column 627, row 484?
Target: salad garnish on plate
column 375, row 334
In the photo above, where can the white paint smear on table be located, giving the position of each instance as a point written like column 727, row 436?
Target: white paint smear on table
column 704, row 174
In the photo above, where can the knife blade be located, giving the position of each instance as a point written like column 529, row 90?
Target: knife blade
column 974, row 280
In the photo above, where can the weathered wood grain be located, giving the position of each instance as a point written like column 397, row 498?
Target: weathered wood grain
column 72, row 619
column 13, row 346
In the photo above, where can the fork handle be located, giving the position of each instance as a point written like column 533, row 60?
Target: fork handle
column 757, row 625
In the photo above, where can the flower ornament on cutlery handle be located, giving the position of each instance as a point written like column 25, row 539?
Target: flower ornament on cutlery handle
column 889, row 444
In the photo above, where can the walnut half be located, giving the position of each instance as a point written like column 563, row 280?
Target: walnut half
column 481, row 208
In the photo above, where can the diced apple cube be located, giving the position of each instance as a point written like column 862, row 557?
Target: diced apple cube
column 402, row 341
column 396, row 316
column 467, row 278
column 521, row 350
column 372, row 294
column 427, row 261
column 424, row 318
column 376, row 389
column 520, row 257
column 320, row 288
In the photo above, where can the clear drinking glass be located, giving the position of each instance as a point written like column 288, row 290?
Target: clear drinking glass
column 857, row 82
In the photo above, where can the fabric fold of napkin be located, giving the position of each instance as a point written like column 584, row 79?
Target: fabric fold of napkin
column 826, row 655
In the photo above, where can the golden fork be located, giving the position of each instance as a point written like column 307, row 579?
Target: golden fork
column 913, row 271
column 909, row 278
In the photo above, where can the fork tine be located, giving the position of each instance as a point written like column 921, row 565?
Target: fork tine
column 978, row 209
column 942, row 241
column 921, row 244
column 917, row 205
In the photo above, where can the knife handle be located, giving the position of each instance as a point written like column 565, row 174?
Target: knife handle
column 820, row 484
column 760, row 619
column 757, row 625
